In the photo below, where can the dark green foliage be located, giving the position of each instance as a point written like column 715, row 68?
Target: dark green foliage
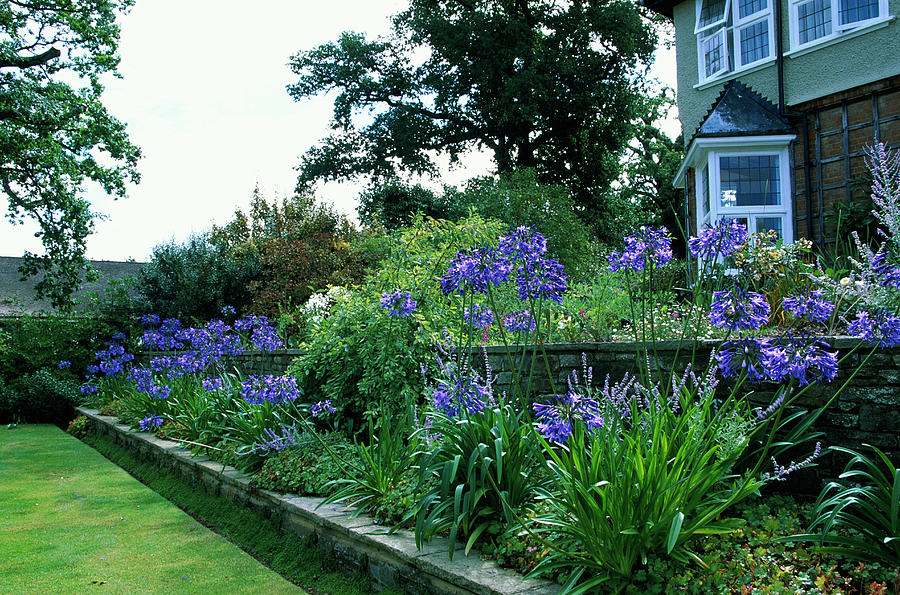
column 55, row 134
column 382, row 480
column 307, row 469
column 651, row 161
column 79, row 427
column 392, row 202
column 287, row 554
column 539, row 84
column 488, row 469
column 195, row 280
column 33, row 342
column 39, row 398
column 518, row 198
column 867, row 502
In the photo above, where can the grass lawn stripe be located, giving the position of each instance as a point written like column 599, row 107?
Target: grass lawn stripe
column 71, row 522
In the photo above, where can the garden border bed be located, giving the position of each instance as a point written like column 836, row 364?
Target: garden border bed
column 391, row 560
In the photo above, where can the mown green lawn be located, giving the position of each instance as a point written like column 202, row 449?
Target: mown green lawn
column 72, row 522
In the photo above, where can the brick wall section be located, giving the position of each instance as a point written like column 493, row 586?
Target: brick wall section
column 839, row 128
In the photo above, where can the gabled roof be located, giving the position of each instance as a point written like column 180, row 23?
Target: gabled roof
column 740, row 111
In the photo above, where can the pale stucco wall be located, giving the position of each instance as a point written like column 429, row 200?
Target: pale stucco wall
column 851, row 62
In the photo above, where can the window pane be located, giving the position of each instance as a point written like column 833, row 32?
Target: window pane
column 704, row 189
column 814, row 20
column 711, row 12
column 748, row 7
column 750, row 181
column 770, row 223
column 754, row 42
column 714, row 53
column 853, row 11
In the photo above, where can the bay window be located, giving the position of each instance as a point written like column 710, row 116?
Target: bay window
column 750, row 186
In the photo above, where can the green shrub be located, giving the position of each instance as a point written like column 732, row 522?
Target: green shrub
column 196, row 279
column 39, row 398
column 307, row 468
column 367, row 362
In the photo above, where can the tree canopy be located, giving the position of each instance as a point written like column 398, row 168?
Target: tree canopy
column 542, row 84
column 55, row 134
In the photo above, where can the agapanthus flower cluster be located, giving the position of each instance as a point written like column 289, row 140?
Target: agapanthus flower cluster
column 212, row 384
column 113, row 360
column 555, row 419
column 543, row 279
column 322, row 408
column 259, row 389
column 745, row 355
column 398, row 303
column 64, row 365
column 166, row 337
column 877, row 327
column 720, row 240
column 150, row 320
column 537, row 277
column 812, row 305
column 478, row 316
column 263, row 335
column 804, row 361
column 150, row 423
column 646, row 247
column 739, row 310
column 474, row 271
column 144, row 382
column 520, row 322
column 460, row 393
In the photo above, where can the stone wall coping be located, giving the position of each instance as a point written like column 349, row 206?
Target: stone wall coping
column 835, row 341
column 391, row 559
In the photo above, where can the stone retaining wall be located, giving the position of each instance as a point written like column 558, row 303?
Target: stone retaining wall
column 866, row 412
column 391, row 560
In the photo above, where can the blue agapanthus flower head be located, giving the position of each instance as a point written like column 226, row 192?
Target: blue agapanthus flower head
column 150, row 423
column 478, row 316
column 739, row 310
column 476, row 271
column 804, row 361
column 258, row 389
column 520, row 322
column 720, row 240
column 646, row 247
column 745, row 355
column 889, row 275
column 811, row 305
column 878, row 327
column 322, row 408
column 398, row 303
column 524, row 243
column 555, row 419
column 460, row 394
column 541, row 279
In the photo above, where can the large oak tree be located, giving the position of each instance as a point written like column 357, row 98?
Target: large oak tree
column 552, row 85
column 55, row 134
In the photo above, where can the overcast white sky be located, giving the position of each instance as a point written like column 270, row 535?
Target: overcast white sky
column 203, row 95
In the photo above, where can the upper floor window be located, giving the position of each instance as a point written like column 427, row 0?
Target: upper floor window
column 733, row 35
column 815, row 21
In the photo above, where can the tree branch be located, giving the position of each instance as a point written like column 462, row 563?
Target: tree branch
column 29, row 61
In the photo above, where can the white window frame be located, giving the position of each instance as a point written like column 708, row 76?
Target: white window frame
column 838, row 31
column 717, row 211
column 730, row 27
